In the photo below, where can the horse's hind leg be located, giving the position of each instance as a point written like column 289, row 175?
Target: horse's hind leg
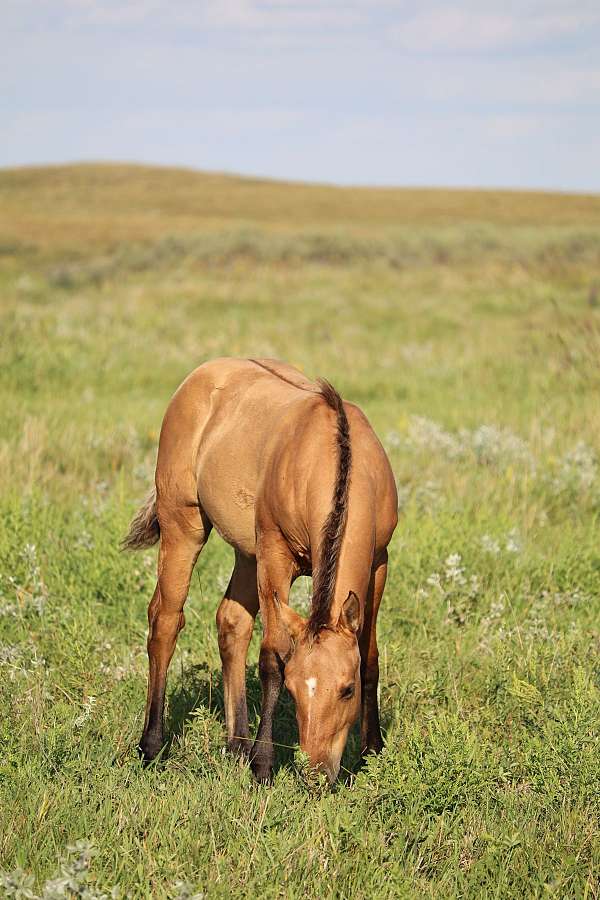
column 235, row 621
column 184, row 531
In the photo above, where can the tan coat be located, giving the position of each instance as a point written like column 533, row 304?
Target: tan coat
column 255, row 449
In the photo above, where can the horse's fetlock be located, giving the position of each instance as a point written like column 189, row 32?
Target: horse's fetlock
column 239, row 746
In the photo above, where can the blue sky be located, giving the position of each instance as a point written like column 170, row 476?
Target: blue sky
column 362, row 91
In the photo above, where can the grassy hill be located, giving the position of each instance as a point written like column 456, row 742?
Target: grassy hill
column 107, row 202
column 467, row 326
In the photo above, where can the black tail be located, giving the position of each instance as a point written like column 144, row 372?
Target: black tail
column 335, row 524
column 144, row 530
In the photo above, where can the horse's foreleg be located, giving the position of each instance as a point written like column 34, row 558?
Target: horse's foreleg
column 275, row 572
column 179, row 549
column 370, row 731
column 235, row 621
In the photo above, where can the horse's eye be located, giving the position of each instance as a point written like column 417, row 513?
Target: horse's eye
column 347, row 692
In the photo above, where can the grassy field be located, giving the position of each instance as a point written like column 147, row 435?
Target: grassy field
column 467, row 326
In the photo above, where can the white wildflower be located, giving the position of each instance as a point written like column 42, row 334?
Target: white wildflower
column 492, row 622
column 490, row 545
column 393, row 440
column 497, row 609
column 493, row 445
column 17, row 884
column 459, row 592
column 435, row 580
column 564, row 598
column 71, row 882
column 535, row 628
column 490, row 444
column 513, row 542
column 88, row 707
column 19, row 660
column 578, row 469
column 33, row 593
column 453, row 571
column 428, row 435
column 116, row 673
column 85, row 541
column 185, row 891
column 427, row 495
column 474, row 586
column 10, row 653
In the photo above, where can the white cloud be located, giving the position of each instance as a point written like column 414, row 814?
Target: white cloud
column 226, row 14
column 428, row 26
column 247, row 14
column 461, row 28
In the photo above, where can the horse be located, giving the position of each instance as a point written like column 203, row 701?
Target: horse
column 296, row 481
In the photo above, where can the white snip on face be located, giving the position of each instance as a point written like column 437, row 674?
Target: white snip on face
column 311, row 684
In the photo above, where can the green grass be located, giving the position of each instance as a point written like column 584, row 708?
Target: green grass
column 440, row 313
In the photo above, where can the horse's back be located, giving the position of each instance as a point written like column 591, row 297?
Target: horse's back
column 236, row 427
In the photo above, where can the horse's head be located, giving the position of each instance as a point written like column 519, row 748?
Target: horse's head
column 322, row 674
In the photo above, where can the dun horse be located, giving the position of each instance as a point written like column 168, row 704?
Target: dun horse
column 297, row 482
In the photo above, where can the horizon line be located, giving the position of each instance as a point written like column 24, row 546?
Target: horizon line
column 297, row 182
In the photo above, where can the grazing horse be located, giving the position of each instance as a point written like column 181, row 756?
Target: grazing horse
column 295, row 480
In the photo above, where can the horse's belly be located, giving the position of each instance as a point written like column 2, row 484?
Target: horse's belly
column 228, row 500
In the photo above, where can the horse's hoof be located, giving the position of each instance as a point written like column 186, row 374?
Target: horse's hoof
column 262, row 770
column 148, row 751
column 374, row 746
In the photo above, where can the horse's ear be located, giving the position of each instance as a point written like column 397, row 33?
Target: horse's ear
column 350, row 616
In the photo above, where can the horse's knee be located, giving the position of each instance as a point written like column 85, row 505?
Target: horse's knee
column 234, row 626
column 270, row 663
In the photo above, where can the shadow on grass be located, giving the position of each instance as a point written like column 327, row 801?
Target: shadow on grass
column 199, row 686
